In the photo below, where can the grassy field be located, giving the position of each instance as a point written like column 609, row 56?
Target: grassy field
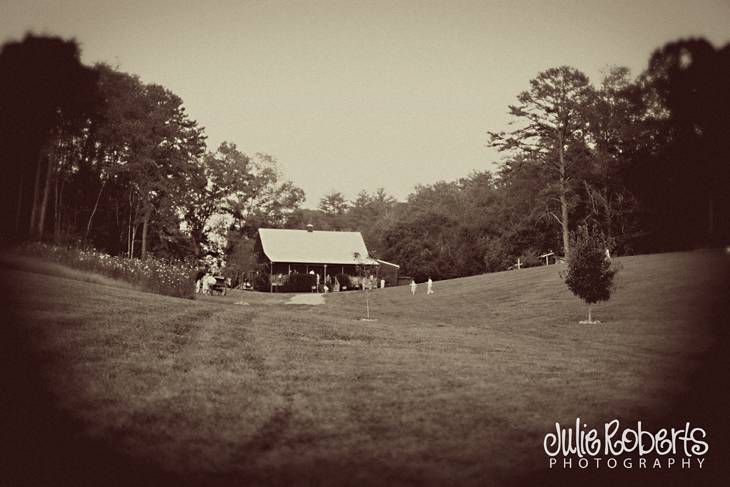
column 457, row 388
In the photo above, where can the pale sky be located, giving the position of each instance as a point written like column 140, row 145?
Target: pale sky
column 360, row 95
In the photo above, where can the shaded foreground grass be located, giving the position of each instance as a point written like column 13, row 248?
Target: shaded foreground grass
column 455, row 388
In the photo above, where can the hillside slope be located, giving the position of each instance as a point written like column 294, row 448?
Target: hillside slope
column 458, row 387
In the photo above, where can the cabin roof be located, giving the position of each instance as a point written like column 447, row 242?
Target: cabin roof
column 314, row 247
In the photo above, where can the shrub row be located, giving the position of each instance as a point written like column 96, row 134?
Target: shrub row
column 159, row 276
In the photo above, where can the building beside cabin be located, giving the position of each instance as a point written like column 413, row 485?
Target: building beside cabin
column 324, row 254
column 389, row 272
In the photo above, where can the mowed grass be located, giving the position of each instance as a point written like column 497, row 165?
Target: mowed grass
column 454, row 388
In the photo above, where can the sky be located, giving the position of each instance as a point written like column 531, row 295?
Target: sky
column 360, row 95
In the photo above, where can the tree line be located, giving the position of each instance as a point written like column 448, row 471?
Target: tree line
column 97, row 156
column 93, row 155
column 643, row 162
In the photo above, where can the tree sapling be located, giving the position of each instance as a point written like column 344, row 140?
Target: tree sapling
column 590, row 273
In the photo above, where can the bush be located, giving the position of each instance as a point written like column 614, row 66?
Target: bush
column 299, row 283
column 497, row 255
column 590, row 273
column 261, row 281
column 530, row 258
column 167, row 277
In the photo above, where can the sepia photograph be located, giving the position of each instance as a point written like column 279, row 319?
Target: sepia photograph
column 364, row 243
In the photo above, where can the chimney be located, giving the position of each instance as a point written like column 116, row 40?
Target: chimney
column 310, row 227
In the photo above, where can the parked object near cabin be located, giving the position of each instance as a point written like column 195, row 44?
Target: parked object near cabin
column 218, row 286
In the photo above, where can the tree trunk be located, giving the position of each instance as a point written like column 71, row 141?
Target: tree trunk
column 129, row 235
column 93, row 211
column 36, row 192
column 196, row 236
column 564, row 200
column 564, row 218
column 134, row 237
column 590, row 319
column 129, row 227
column 145, row 228
column 61, row 218
column 44, row 201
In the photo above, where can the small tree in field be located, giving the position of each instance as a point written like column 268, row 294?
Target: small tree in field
column 365, row 282
column 590, row 273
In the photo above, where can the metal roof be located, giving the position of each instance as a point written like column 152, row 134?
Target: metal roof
column 388, row 263
column 315, row 247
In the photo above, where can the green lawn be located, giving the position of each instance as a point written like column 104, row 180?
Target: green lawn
column 456, row 388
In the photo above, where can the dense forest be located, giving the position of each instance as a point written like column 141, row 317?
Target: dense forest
column 95, row 157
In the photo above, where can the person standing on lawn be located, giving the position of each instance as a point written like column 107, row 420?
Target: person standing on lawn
column 413, row 286
column 199, row 280
column 429, row 286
